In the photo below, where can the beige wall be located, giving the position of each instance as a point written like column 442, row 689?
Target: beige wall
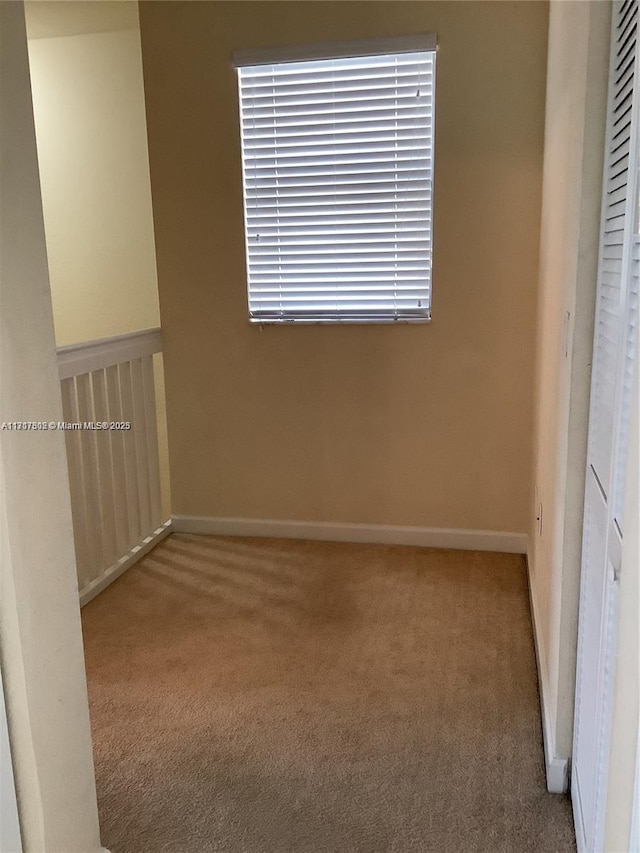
column 92, row 149
column 416, row 425
column 572, row 185
column 88, row 96
column 40, row 635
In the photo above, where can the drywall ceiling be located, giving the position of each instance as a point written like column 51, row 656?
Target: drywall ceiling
column 54, row 18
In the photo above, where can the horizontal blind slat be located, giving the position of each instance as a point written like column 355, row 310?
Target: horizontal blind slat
column 345, row 160
column 284, row 67
column 405, row 128
column 360, row 115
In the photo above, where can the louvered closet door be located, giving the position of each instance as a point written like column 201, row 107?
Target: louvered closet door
column 612, row 375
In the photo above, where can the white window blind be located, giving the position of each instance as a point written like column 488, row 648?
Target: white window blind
column 337, row 167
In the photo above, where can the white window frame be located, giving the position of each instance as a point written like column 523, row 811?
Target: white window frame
column 396, row 309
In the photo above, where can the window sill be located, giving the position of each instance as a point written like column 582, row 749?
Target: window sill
column 315, row 321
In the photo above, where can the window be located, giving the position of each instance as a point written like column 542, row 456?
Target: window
column 337, row 156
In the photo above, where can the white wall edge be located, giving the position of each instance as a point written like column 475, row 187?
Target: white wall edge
column 384, row 534
column 113, row 572
column 578, row 817
column 556, row 768
column 9, row 821
column 635, row 809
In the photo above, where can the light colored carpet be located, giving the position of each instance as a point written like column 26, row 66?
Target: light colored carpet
column 271, row 696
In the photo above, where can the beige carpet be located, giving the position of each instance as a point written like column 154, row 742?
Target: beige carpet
column 270, row 696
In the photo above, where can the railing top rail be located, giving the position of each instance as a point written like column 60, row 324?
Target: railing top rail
column 76, row 359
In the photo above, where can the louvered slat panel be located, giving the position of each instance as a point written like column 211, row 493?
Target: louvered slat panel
column 610, row 291
column 630, row 344
column 337, row 169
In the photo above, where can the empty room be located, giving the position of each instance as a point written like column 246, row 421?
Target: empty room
column 319, row 426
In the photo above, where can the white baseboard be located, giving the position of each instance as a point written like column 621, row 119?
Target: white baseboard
column 113, row 572
column 385, row 534
column 557, row 768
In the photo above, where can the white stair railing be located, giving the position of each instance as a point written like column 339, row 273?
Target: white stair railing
column 111, row 430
